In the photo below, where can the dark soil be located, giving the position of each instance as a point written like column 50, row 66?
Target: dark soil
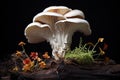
column 66, row 71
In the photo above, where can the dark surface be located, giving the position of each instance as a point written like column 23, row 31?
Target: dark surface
column 17, row 14
column 65, row 70
column 76, row 72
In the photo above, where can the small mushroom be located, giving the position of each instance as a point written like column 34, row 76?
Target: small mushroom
column 66, row 29
column 36, row 32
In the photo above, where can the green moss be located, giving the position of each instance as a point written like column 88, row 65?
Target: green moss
column 81, row 58
column 81, row 54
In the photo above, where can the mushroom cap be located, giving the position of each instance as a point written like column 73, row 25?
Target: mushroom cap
column 75, row 14
column 48, row 18
column 58, row 9
column 74, row 24
column 36, row 32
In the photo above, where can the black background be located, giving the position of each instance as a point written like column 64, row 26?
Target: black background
column 17, row 14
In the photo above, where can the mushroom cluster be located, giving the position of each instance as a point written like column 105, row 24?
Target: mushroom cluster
column 57, row 24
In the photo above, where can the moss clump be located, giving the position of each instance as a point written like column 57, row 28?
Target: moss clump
column 84, row 53
column 80, row 58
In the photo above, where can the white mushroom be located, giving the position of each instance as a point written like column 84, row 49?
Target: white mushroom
column 57, row 24
column 37, row 32
column 66, row 29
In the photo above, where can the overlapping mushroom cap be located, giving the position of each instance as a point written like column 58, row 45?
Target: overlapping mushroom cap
column 56, row 24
